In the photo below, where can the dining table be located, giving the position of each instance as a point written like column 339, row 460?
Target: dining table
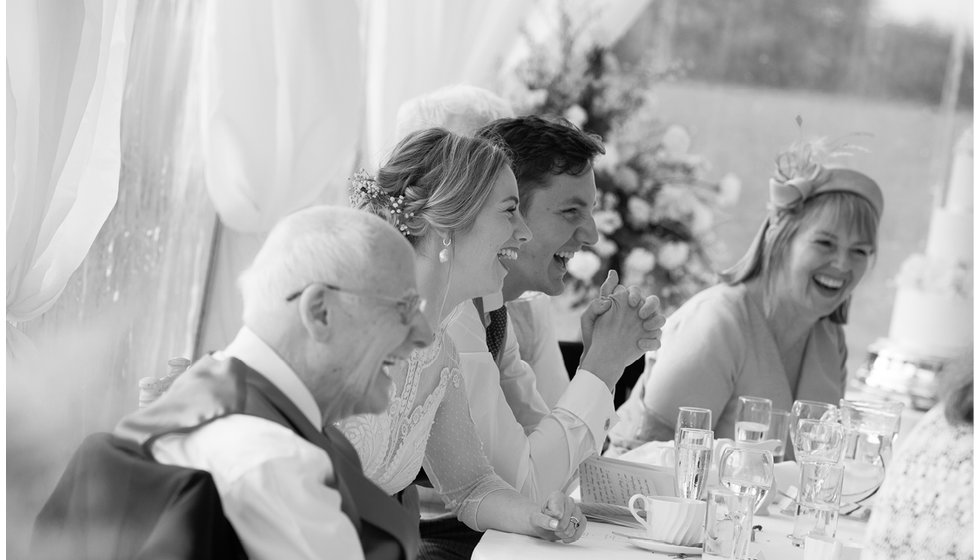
column 606, row 541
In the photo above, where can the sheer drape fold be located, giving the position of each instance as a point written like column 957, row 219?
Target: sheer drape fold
column 416, row 47
column 283, row 102
column 64, row 100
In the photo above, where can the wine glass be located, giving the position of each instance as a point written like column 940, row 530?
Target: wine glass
column 691, row 417
column 819, row 440
column 753, row 419
column 809, row 409
column 747, row 472
column 692, row 460
column 778, row 427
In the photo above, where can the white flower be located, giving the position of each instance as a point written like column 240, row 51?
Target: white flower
column 609, row 161
column 673, row 203
column 702, row 219
column 639, row 262
column 535, row 97
column 729, row 189
column 576, row 115
column 607, row 221
column 673, row 254
column 633, row 279
column 584, row 265
column 605, row 247
column 639, row 211
column 627, row 179
column 609, row 200
column 676, row 140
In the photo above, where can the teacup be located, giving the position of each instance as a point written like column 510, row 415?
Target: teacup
column 671, row 520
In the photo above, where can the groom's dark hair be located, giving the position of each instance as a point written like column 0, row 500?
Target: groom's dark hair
column 543, row 146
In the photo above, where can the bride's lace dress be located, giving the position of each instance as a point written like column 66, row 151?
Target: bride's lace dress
column 427, row 423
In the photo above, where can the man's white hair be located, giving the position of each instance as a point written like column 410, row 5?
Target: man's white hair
column 332, row 244
column 460, row 108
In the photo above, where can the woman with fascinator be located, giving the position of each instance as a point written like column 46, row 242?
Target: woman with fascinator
column 455, row 199
column 773, row 328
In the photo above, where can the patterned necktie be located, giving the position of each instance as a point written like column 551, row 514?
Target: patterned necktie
column 496, row 331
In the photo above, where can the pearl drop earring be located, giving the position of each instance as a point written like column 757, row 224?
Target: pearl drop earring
column 444, row 254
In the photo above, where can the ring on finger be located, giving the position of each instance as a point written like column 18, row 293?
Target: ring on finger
column 574, row 521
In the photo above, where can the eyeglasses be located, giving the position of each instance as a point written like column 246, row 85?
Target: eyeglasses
column 407, row 306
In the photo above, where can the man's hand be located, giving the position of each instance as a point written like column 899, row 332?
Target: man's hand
column 617, row 328
column 598, row 306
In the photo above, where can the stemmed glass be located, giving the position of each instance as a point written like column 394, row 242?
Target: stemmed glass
column 809, row 410
column 753, row 419
column 778, row 430
column 819, row 440
column 692, row 460
column 691, row 417
column 747, row 472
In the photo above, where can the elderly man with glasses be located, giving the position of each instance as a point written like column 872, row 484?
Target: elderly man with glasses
column 329, row 302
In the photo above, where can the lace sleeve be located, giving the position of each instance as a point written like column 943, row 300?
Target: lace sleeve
column 454, row 458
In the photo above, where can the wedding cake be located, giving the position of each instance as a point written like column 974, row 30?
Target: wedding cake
column 933, row 313
column 932, row 318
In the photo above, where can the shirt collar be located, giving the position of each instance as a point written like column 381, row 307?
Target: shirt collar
column 258, row 355
column 491, row 302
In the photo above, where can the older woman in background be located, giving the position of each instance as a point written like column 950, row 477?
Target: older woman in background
column 773, row 328
column 924, row 508
column 459, row 108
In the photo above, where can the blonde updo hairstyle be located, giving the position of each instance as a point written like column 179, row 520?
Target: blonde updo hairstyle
column 444, row 180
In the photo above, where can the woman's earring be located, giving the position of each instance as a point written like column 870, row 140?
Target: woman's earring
column 444, row 254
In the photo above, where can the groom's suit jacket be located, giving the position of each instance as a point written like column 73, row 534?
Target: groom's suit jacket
column 210, row 390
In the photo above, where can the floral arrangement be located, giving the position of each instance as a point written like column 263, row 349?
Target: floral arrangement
column 655, row 210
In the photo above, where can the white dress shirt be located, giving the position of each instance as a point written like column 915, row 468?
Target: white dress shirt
column 273, row 483
column 535, row 450
column 535, row 334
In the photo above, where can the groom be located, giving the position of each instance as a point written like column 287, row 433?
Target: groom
column 329, row 302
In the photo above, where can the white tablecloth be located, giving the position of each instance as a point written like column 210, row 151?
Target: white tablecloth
column 600, row 542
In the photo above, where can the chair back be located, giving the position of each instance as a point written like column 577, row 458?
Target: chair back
column 115, row 502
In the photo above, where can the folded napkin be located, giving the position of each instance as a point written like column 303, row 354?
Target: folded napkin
column 661, row 453
column 656, row 453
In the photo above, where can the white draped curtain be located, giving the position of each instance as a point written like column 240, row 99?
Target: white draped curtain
column 291, row 103
column 66, row 66
column 418, row 46
column 294, row 95
column 282, row 112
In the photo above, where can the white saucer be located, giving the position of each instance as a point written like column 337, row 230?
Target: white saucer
column 666, row 548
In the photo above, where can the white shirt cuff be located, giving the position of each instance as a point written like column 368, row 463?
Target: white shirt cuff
column 588, row 398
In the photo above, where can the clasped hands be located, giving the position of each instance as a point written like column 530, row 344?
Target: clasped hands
column 618, row 327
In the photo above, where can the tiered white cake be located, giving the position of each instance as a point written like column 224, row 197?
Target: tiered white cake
column 933, row 312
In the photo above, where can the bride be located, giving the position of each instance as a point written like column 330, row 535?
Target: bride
column 455, row 200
